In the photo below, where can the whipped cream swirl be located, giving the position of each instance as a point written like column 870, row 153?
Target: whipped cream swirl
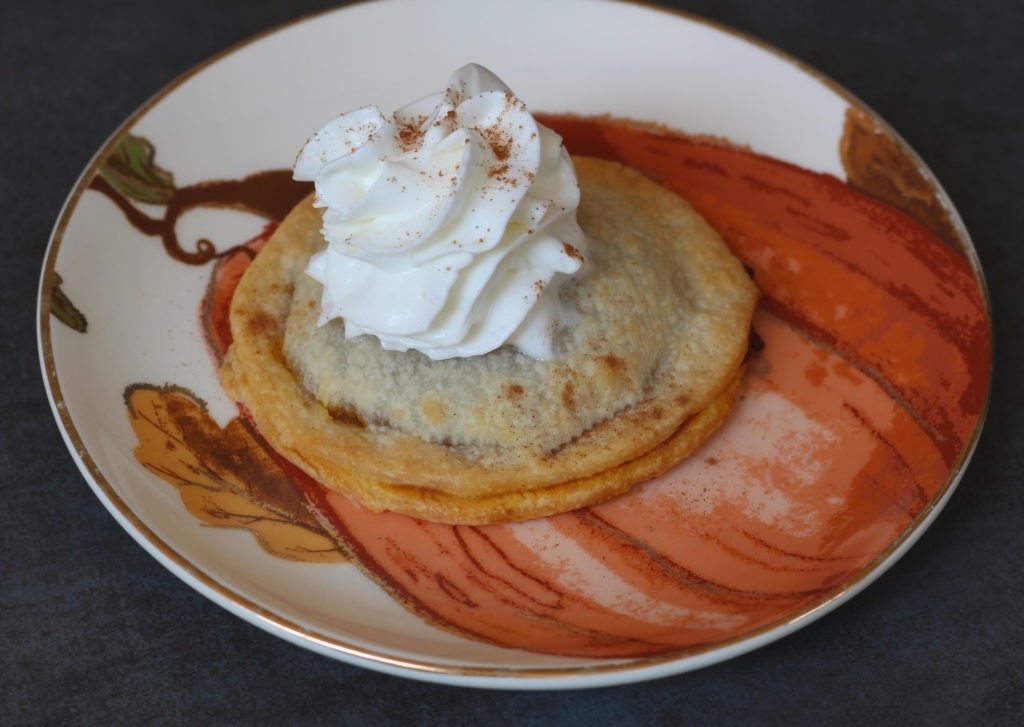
column 450, row 226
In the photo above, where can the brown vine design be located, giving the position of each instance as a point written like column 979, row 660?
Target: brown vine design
column 130, row 175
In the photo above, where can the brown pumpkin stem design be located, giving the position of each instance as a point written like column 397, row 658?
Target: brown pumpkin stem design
column 878, row 165
column 130, row 175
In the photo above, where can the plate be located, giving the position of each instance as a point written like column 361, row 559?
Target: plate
column 857, row 418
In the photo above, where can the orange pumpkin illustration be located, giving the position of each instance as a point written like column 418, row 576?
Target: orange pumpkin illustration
column 861, row 402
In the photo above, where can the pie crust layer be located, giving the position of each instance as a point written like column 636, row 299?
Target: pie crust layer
column 650, row 368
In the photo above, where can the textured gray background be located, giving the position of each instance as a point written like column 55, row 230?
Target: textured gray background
column 94, row 631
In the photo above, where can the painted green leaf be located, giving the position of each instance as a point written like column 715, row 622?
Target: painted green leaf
column 62, row 307
column 130, row 169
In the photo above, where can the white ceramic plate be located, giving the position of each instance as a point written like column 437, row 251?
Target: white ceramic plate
column 249, row 110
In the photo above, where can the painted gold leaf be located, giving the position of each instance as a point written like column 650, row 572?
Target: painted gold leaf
column 224, row 476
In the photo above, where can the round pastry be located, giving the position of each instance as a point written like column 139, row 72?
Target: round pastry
column 648, row 369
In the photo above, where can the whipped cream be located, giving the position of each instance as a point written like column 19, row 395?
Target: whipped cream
column 450, row 225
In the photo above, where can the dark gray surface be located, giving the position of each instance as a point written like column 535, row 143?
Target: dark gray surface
column 94, row 631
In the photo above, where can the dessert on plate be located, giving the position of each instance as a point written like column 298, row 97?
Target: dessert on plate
column 465, row 324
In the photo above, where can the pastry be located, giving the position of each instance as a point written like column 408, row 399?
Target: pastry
column 641, row 351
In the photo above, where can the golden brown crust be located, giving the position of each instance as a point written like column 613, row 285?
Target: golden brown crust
column 385, row 467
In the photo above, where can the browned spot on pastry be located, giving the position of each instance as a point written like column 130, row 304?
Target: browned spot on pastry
column 568, row 395
column 614, row 363
column 346, row 416
column 260, row 324
column 655, row 413
column 515, row 392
